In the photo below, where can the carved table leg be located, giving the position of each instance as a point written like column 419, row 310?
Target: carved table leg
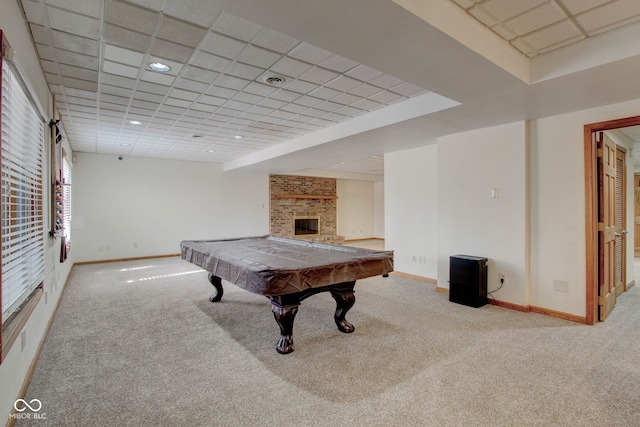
column 344, row 301
column 285, row 317
column 217, row 283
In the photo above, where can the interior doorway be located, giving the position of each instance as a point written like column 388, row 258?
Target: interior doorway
column 597, row 269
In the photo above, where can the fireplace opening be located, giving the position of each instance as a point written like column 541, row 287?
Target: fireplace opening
column 306, row 226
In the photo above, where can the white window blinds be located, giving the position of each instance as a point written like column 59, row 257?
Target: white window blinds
column 22, row 222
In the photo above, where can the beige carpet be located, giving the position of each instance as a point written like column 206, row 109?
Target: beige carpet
column 138, row 343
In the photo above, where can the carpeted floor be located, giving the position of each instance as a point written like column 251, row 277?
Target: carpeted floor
column 138, row 343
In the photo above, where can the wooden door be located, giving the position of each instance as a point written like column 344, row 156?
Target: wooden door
column 606, row 224
column 621, row 221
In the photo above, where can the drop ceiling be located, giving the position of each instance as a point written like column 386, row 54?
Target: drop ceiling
column 358, row 79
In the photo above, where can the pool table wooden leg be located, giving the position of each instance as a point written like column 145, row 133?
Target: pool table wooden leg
column 217, row 283
column 284, row 315
column 343, row 294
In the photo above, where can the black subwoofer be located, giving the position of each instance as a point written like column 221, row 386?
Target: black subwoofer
column 468, row 280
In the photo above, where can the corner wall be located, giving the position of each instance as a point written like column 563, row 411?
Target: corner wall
column 411, row 210
column 482, row 205
column 15, row 367
column 139, row 207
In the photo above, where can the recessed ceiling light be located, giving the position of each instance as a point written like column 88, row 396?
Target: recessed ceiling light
column 211, row 150
column 274, row 80
column 237, row 137
column 124, row 144
column 159, row 67
column 135, row 122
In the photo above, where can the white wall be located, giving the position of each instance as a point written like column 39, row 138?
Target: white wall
column 142, row 207
column 378, row 227
column 411, row 210
column 356, row 209
column 558, row 205
column 536, row 240
column 14, row 368
column 470, row 220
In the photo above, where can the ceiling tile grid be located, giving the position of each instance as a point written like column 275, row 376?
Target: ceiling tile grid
column 539, row 26
column 216, row 91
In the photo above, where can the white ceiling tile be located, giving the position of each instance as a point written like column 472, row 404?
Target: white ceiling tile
column 231, row 82
column 465, row 3
column 324, row 93
column 367, row 104
column 257, row 57
column 235, row 105
column 609, row 14
column 534, row 19
column 274, row 40
column 504, row 32
column 209, row 62
column 483, row 16
column 183, row 94
column 386, row 81
column 564, row 43
column 180, row 32
column 338, row 63
column 343, row 83
column 364, row 73
column 551, row 35
column 345, row 98
column 125, row 15
column 300, row 86
column 259, row 89
column 578, row 6
column 350, row 111
column 364, row 90
column 169, row 50
column 221, row 45
column 221, row 92
column 523, row 46
column 318, row 76
column 236, row 27
column 290, row 67
column 153, row 77
column 191, row 85
column 74, row 23
column 309, row 53
column 407, row 89
column 126, row 38
column 328, row 106
column 272, row 103
column 308, row 101
column 386, row 97
column 294, row 108
column 91, row 8
column 506, row 9
column 243, row 71
column 123, row 56
column 74, row 43
column 248, row 98
column 285, row 95
column 200, row 74
column 193, row 11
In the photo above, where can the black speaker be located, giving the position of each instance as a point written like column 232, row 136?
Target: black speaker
column 468, row 280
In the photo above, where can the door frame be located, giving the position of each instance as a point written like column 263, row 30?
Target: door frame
column 591, row 211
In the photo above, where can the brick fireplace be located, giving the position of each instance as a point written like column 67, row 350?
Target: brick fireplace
column 294, row 197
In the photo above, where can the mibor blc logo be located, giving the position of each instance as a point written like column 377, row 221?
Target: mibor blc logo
column 23, row 407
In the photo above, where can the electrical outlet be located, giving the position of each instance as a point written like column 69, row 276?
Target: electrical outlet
column 502, row 277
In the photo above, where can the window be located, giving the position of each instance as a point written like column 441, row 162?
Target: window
column 22, row 218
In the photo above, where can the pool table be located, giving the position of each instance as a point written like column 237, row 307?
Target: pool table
column 287, row 271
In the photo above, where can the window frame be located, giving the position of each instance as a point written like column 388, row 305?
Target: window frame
column 33, row 176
